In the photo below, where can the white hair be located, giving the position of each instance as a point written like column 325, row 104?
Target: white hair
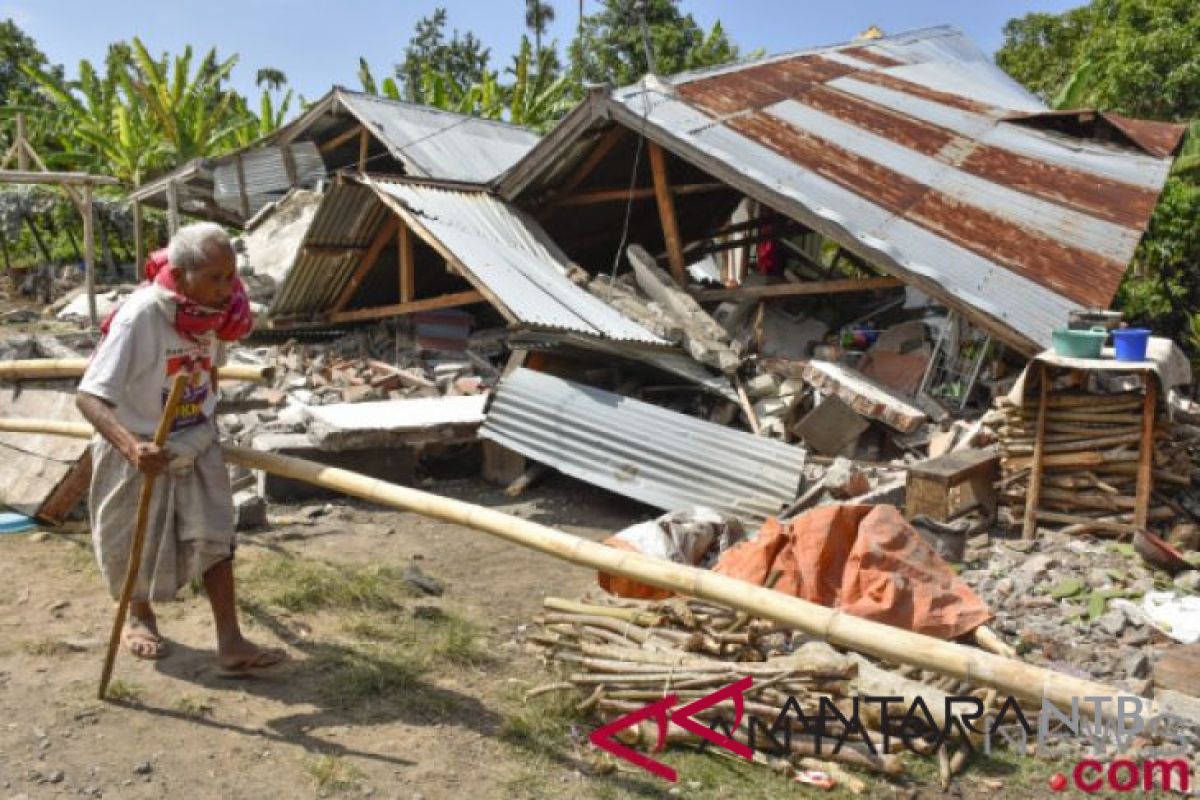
column 194, row 246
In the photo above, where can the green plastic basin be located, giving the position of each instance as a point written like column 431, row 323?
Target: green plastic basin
column 1079, row 344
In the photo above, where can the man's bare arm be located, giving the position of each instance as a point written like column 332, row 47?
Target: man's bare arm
column 144, row 456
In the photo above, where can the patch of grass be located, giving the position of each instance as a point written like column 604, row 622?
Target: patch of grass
column 193, row 706
column 47, row 647
column 355, row 674
column 124, row 691
column 543, row 723
column 299, row 584
column 441, row 637
column 332, row 774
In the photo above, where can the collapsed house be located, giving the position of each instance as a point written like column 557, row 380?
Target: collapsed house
column 836, row 245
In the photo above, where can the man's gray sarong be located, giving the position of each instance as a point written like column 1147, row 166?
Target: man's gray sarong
column 190, row 525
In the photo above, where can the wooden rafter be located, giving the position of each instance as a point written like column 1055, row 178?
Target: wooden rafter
column 639, row 193
column 794, row 289
column 341, row 139
column 666, row 213
column 603, row 147
column 368, row 260
column 444, row 301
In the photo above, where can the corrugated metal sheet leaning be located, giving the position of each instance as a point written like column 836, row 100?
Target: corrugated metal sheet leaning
column 432, row 143
column 502, row 248
column 919, row 154
column 642, row 451
column 495, row 246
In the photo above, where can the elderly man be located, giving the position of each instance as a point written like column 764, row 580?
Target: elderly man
column 179, row 322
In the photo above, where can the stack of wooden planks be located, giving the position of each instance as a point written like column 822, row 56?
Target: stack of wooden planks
column 1090, row 460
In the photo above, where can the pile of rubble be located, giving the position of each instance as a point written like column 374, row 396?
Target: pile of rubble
column 1079, row 605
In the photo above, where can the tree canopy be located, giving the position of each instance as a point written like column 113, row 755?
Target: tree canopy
column 610, row 47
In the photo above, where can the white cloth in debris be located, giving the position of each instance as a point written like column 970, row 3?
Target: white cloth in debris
column 688, row 536
column 190, row 525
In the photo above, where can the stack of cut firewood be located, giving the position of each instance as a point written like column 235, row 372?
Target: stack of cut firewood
column 619, row 655
column 1090, row 460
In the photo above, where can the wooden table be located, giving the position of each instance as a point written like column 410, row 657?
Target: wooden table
column 1145, row 476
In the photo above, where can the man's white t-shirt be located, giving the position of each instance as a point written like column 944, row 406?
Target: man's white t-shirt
column 135, row 363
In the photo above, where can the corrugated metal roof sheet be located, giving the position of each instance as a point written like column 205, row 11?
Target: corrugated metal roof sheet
column 908, row 151
column 494, row 245
column 507, row 252
column 440, row 144
column 642, row 451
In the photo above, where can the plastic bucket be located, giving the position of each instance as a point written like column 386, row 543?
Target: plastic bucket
column 1079, row 344
column 1130, row 343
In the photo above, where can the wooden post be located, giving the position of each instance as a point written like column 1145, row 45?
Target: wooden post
column 407, row 275
column 138, row 261
column 363, row 141
column 289, row 163
column 243, row 197
column 172, row 208
column 22, row 153
column 89, row 253
column 1145, row 475
column 666, row 211
column 1034, row 496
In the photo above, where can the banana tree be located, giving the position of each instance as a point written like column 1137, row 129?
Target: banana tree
column 196, row 113
column 537, row 99
column 97, row 125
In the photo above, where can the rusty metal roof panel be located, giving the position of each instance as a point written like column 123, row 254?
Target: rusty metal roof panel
column 440, row 144
column 507, row 252
column 909, row 151
column 642, row 451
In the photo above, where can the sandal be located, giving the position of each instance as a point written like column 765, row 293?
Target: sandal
column 264, row 659
column 143, row 643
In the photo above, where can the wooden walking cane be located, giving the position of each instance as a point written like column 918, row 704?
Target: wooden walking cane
column 139, row 532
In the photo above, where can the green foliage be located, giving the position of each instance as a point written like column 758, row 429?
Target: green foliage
column 536, row 98
column 18, row 51
column 610, row 46
column 145, row 114
column 461, row 58
column 1139, row 58
column 538, row 16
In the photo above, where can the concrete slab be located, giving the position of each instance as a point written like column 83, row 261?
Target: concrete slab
column 357, row 426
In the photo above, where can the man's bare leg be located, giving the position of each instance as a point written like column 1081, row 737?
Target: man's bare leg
column 234, row 651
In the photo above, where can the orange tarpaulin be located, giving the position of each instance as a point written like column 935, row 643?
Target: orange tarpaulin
column 864, row 560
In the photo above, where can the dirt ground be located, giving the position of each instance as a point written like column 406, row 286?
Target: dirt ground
column 182, row 728
column 390, row 692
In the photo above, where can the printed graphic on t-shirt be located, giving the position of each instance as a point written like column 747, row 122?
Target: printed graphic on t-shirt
column 199, row 367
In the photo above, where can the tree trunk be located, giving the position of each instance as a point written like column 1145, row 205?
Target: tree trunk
column 37, row 237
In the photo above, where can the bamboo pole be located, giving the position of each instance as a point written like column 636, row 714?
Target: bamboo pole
column 1026, row 682
column 51, row 368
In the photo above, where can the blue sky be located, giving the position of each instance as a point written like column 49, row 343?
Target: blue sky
column 318, row 42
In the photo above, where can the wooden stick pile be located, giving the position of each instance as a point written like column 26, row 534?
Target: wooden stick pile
column 619, row 655
column 1090, row 462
